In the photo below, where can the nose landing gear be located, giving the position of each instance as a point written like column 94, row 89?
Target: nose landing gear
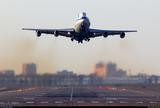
column 87, row 39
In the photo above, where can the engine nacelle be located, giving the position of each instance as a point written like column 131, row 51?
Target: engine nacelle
column 122, row 35
column 105, row 34
column 56, row 33
column 38, row 33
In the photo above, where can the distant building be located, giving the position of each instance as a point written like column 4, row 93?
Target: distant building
column 114, row 72
column 1, row 73
column 65, row 73
column 124, row 80
column 7, row 78
column 29, row 69
column 84, row 80
column 96, row 80
column 66, row 78
column 153, row 79
column 9, row 73
column 110, row 69
column 101, row 70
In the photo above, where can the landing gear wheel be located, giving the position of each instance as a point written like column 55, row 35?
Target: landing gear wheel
column 72, row 39
column 80, row 41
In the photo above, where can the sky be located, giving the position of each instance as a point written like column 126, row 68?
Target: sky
column 138, row 52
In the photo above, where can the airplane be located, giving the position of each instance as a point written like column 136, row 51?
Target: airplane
column 81, row 30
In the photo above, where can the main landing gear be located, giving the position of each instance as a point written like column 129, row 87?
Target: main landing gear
column 72, row 39
column 87, row 39
column 80, row 41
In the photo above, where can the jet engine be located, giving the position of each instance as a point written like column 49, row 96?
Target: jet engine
column 56, row 33
column 105, row 34
column 122, row 35
column 38, row 33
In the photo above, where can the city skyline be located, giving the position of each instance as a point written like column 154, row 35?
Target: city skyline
column 138, row 52
column 29, row 77
column 100, row 69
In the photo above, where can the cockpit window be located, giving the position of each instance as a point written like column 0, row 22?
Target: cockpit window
column 82, row 15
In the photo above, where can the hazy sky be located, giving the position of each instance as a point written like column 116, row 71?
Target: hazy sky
column 138, row 52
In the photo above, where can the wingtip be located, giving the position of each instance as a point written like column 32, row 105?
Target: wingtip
column 134, row 31
column 25, row 29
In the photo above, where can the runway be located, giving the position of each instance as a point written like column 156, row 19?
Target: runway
column 79, row 96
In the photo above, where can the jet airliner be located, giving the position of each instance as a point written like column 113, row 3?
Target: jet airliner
column 81, row 30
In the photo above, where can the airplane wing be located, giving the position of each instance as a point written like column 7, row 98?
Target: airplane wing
column 63, row 32
column 105, row 33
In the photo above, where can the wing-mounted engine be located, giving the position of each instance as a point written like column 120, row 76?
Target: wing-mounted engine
column 122, row 35
column 38, row 33
column 56, row 33
column 105, row 34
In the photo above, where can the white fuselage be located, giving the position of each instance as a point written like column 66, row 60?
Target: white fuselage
column 82, row 25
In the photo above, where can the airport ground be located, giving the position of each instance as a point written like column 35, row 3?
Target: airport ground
column 81, row 96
